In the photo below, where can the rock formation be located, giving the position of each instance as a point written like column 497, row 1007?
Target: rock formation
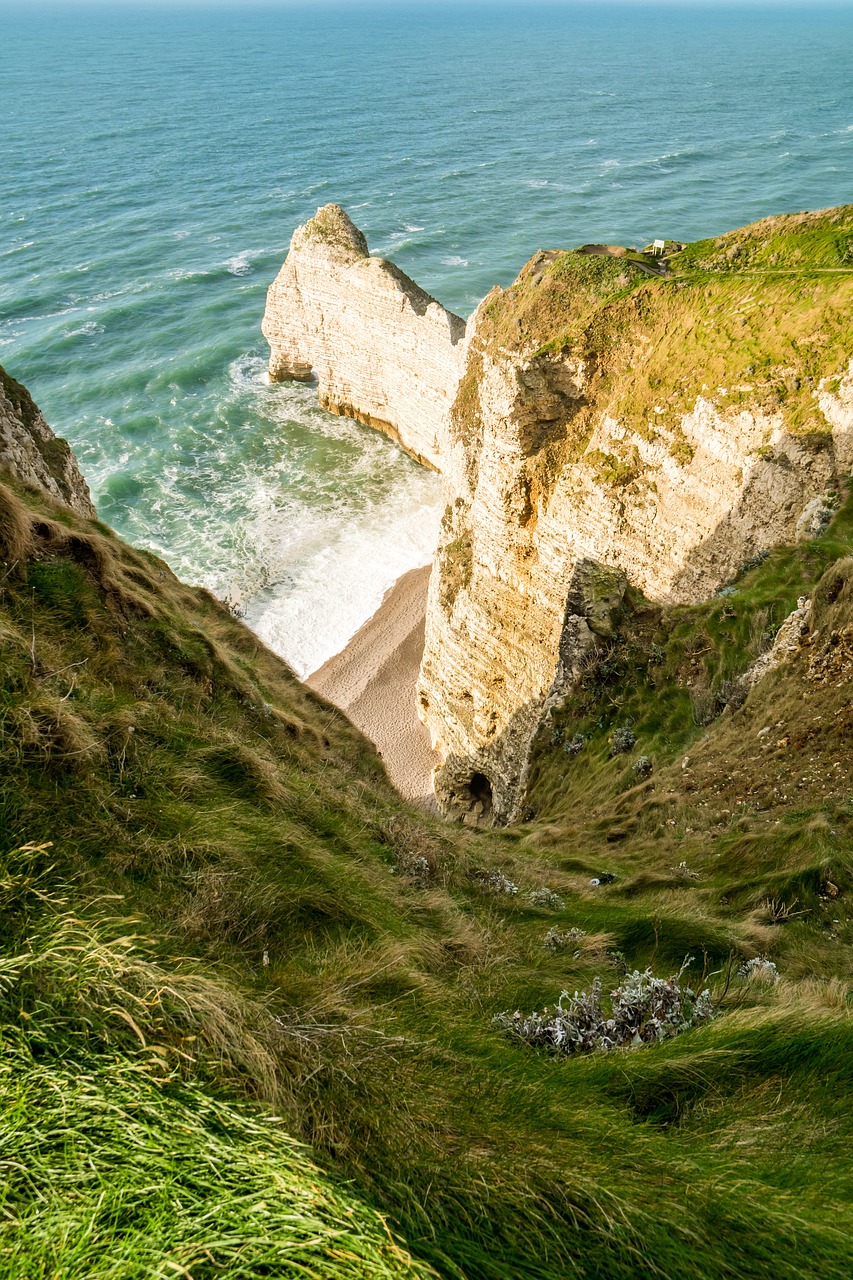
column 33, row 454
column 787, row 642
column 611, row 430
column 383, row 351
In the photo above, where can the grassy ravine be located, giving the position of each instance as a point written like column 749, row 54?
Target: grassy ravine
column 238, row 919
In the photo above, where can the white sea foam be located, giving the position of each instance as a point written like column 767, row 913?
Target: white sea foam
column 308, row 525
column 453, row 260
column 330, row 572
column 251, row 372
column 28, row 244
column 322, row 549
column 183, row 273
column 87, row 330
column 136, row 286
column 241, row 263
column 48, row 315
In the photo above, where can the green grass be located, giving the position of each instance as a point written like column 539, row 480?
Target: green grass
column 757, row 319
column 668, row 672
column 121, row 1154
column 797, row 241
column 225, row 930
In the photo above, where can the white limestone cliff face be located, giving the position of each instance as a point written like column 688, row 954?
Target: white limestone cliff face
column 34, row 454
column 567, row 483
column 541, row 536
column 383, row 351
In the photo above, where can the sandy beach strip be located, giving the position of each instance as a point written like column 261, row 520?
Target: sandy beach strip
column 374, row 680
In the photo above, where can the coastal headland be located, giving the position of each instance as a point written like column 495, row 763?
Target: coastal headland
column 614, row 427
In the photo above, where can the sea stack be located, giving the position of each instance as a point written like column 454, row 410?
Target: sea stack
column 383, row 351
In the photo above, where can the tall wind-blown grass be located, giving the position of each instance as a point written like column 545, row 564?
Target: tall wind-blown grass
column 117, row 1157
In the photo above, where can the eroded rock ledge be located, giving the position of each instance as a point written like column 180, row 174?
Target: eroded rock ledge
column 383, row 351
column 34, row 454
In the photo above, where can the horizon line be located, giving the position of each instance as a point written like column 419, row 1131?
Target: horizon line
column 175, row 6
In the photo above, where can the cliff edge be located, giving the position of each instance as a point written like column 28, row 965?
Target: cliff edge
column 34, row 454
column 383, row 351
column 615, row 422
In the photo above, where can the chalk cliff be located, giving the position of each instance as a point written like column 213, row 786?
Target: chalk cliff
column 609, row 430
column 611, row 423
column 383, row 351
column 34, row 454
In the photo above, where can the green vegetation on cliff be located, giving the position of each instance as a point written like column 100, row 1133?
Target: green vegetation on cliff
column 237, row 918
column 754, row 319
column 749, row 788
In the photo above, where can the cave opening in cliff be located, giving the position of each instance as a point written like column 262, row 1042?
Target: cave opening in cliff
column 480, row 790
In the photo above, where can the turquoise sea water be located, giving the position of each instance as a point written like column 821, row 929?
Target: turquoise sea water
column 154, row 165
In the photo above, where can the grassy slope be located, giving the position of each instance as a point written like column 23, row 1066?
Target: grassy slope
column 122, row 1152
column 172, row 761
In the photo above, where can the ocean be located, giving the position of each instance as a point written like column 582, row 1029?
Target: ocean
column 155, row 163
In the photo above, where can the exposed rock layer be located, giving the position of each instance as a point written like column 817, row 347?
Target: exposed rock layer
column 33, row 454
column 592, row 429
column 383, row 351
column 607, row 429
